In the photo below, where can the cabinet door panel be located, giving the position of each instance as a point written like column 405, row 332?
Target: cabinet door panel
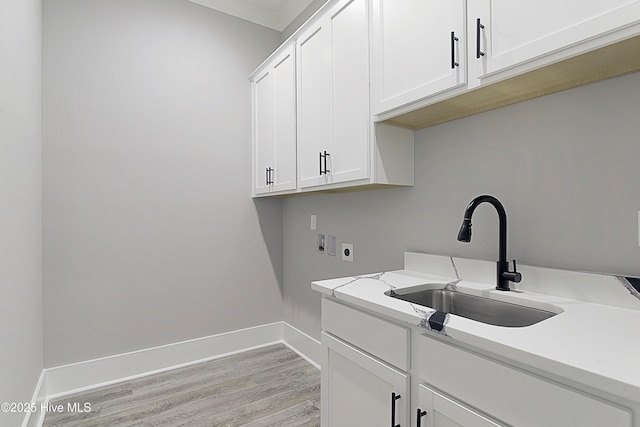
column 263, row 103
column 356, row 388
column 349, row 158
column 284, row 174
column 525, row 400
column 519, row 31
column 444, row 412
column 314, row 101
column 412, row 49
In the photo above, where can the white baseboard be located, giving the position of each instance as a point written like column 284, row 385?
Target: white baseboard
column 35, row 419
column 76, row 377
column 307, row 347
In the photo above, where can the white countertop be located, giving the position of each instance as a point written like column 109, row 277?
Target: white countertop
column 593, row 344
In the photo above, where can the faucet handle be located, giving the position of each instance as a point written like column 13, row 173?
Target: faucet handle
column 517, row 277
column 513, row 276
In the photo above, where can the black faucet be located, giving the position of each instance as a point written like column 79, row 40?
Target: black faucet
column 504, row 276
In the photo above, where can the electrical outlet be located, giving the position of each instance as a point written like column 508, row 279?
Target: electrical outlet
column 347, row 252
column 313, row 222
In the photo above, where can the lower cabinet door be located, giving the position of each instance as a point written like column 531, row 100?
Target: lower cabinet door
column 437, row 410
column 359, row 390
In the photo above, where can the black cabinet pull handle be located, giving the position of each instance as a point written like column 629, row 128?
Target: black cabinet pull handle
column 269, row 176
column 394, row 397
column 420, row 414
column 326, row 171
column 454, row 39
column 479, row 27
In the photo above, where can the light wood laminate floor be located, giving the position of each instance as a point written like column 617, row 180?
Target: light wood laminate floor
column 270, row 386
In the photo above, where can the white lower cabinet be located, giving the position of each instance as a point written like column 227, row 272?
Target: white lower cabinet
column 360, row 390
column 437, row 410
column 368, row 360
column 510, row 395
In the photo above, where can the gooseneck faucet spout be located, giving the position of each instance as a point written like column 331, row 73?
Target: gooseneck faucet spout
column 504, row 276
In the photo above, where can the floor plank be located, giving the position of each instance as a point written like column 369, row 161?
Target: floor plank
column 302, row 414
column 270, row 386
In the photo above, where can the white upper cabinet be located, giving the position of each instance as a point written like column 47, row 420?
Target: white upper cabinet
column 426, row 52
column 274, row 125
column 417, row 63
column 514, row 32
column 312, row 123
column 333, row 96
column 419, row 49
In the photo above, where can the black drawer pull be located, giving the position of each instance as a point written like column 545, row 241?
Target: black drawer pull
column 394, row 397
column 419, row 414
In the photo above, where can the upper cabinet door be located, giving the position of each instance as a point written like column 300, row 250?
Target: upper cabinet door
column 263, row 130
column 274, row 125
column 313, row 52
column 419, row 49
column 357, row 388
column 513, row 32
column 283, row 177
column 351, row 121
column 333, row 96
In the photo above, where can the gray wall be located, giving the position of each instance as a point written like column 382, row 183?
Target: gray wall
column 20, row 210
column 300, row 19
column 566, row 168
column 150, row 234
